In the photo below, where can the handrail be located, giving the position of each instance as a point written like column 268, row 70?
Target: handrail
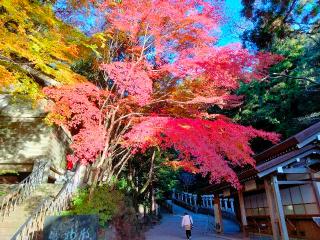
column 30, row 223
column 23, row 190
column 51, row 206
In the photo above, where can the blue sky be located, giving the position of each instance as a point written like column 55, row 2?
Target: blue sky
column 229, row 33
column 90, row 21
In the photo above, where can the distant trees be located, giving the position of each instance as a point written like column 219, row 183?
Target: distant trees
column 274, row 19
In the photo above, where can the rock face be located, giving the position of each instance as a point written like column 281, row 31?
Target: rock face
column 24, row 136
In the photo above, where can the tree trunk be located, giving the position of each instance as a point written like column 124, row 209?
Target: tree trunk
column 94, row 180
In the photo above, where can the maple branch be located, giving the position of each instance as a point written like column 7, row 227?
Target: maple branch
column 126, row 157
column 119, row 135
column 279, row 75
column 109, row 127
column 145, row 186
column 144, row 43
column 128, row 152
column 122, row 150
column 188, row 102
column 290, row 10
column 128, row 115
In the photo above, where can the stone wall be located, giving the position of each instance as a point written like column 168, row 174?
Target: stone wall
column 25, row 137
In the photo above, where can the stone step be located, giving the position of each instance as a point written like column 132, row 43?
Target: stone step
column 10, row 224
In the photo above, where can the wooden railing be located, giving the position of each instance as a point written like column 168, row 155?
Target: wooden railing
column 23, row 190
column 33, row 227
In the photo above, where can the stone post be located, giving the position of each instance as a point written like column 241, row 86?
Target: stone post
column 232, row 205
column 195, row 199
column 173, row 194
column 226, row 204
column 211, row 201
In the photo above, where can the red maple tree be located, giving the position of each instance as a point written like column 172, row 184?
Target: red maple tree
column 163, row 70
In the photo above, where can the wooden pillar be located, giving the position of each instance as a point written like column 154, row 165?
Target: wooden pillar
column 281, row 216
column 218, row 216
column 272, row 206
column 242, row 211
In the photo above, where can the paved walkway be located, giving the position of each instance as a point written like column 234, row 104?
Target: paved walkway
column 170, row 227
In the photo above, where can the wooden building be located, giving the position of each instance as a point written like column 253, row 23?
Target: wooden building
column 281, row 196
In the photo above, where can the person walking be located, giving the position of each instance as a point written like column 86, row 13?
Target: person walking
column 187, row 223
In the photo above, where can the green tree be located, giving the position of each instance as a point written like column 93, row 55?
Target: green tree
column 148, row 177
column 279, row 19
column 286, row 101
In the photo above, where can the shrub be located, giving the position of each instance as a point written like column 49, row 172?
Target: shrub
column 105, row 203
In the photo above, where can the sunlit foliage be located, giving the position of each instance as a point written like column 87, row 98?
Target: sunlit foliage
column 31, row 35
